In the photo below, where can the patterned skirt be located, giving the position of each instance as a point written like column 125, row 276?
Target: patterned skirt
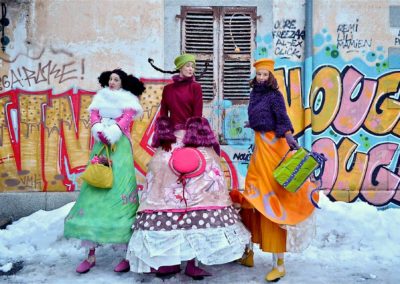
column 168, row 230
column 279, row 220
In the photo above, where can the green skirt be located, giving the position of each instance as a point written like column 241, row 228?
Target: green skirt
column 106, row 215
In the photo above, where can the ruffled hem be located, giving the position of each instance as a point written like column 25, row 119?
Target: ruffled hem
column 300, row 236
column 210, row 246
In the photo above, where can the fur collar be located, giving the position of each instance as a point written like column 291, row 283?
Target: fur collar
column 179, row 79
column 116, row 99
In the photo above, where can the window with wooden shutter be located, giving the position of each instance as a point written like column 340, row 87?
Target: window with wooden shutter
column 223, row 36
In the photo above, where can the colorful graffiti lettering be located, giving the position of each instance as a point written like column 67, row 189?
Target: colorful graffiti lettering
column 47, row 136
column 349, row 175
column 372, row 107
column 352, row 119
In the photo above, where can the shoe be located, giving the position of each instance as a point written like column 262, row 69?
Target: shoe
column 195, row 272
column 123, row 266
column 166, row 270
column 85, row 266
column 247, row 258
column 274, row 275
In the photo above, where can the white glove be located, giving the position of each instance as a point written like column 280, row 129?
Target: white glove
column 112, row 133
column 98, row 127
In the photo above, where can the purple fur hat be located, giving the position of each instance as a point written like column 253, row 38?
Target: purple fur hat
column 164, row 132
column 199, row 133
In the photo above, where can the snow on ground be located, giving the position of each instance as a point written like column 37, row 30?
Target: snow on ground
column 355, row 243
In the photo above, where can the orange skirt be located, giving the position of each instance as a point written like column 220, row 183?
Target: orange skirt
column 265, row 203
column 265, row 194
column 264, row 232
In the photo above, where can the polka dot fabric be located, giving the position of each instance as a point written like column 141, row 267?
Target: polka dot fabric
column 201, row 219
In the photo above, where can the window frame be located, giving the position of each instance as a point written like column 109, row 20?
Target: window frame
column 219, row 56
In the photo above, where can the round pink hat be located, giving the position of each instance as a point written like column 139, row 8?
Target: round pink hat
column 187, row 162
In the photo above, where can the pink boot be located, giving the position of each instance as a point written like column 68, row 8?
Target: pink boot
column 87, row 263
column 194, row 271
column 123, row 266
column 166, row 270
column 85, row 266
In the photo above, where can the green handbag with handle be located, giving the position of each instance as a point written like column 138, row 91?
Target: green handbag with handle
column 291, row 173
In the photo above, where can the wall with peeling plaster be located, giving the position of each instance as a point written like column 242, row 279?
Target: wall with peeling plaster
column 348, row 108
column 81, row 39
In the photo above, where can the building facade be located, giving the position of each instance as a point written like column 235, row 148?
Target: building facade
column 337, row 64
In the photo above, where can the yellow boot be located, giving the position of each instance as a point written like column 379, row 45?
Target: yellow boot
column 276, row 273
column 247, row 258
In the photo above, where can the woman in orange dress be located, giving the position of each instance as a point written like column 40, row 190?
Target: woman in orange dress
column 268, row 210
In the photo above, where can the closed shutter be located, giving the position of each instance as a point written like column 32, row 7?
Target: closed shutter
column 225, row 38
column 198, row 39
column 238, row 39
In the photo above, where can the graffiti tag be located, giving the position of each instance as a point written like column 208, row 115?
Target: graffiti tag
column 289, row 38
column 47, row 72
column 346, row 37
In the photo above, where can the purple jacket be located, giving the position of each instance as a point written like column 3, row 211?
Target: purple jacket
column 267, row 111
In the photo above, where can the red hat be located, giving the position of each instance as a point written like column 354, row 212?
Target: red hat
column 187, row 162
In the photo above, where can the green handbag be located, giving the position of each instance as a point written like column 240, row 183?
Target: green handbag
column 293, row 172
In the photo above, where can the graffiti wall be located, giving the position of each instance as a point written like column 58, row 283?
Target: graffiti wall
column 354, row 100
column 48, row 75
column 349, row 109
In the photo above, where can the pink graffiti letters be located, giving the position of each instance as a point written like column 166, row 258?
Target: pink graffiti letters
column 375, row 108
column 353, row 174
column 354, row 110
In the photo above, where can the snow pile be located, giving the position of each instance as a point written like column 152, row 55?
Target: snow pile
column 354, row 243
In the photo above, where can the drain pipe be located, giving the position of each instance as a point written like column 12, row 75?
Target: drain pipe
column 308, row 70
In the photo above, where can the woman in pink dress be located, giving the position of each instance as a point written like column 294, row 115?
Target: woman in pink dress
column 191, row 221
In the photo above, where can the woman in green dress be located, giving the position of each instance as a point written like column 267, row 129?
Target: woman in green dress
column 105, row 216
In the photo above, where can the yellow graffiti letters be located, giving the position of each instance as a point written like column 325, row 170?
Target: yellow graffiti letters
column 293, row 98
column 350, row 177
column 325, row 97
column 385, row 111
